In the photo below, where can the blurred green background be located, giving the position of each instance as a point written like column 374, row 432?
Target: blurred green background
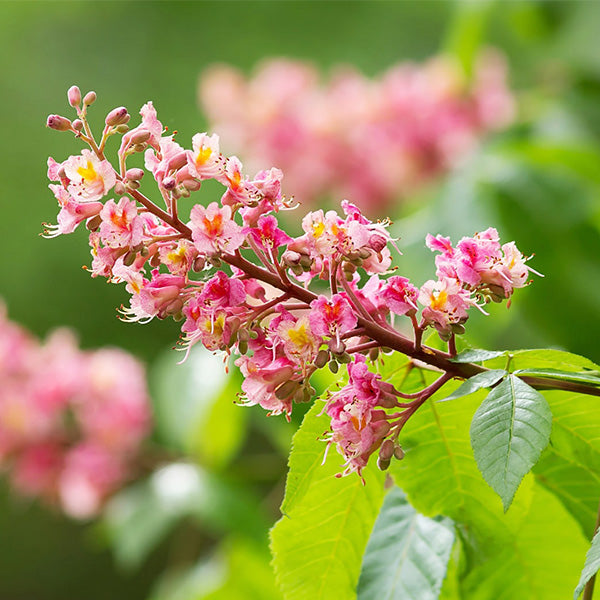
column 538, row 183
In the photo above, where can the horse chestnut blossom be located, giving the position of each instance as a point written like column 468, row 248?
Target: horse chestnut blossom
column 374, row 140
column 240, row 284
column 71, row 421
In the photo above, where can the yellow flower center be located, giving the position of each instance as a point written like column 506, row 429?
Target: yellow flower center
column 203, row 155
column 438, row 300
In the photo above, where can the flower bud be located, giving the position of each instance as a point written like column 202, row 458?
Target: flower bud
column 322, row 359
column 336, row 346
column 117, row 116
column 377, row 242
column 74, row 95
column 122, row 128
column 333, row 366
column 291, row 258
column 287, row 389
column 253, row 334
column 77, row 124
column 307, row 395
column 140, row 137
column 139, row 147
column 398, row 453
column 120, row 188
column 129, row 258
column 155, row 261
column 169, row 183
column 178, row 161
column 364, row 253
column 387, row 449
column 457, row 328
column 89, row 98
column 93, row 223
column 58, row 123
column 199, row 264
column 383, row 464
column 133, row 185
column 242, row 346
column 191, row 185
column 344, row 358
column 134, row 174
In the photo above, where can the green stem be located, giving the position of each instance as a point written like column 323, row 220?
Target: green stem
column 588, row 590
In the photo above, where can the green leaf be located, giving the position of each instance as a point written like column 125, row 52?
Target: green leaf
column 477, row 382
column 577, row 487
column 579, row 377
column 140, row 516
column 540, row 561
column 319, row 542
column 591, row 566
column 474, row 355
column 407, row 554
column 509, row 431
column 547, row 359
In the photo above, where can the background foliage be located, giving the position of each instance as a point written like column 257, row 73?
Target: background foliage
column 539, row 183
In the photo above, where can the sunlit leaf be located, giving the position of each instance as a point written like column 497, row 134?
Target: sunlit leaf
column 474, row 355
column 477, row 382
column 319, row 542
column 509, row 431
column 407, row 554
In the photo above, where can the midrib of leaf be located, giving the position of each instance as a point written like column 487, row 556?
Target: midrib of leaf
column 512, row 421
column 410, row 534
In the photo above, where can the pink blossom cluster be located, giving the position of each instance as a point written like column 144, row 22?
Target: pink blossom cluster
column 71, row 421
column 241, row 285
column 372, row 140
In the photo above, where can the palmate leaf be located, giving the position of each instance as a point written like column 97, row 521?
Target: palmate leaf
column 319, row 542
column 509, row 431
column 407, row 554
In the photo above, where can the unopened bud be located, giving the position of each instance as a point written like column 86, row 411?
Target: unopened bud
column 133, row 185
column 178, row 161
column 398, row 453
column 93, row 223
column 199, row 264
column 122, row 128
column 287, row 389
column 373, row 354
column 336, row 346
column 169, row 183
column 344, row 358
column 89, row 98
column 242, row 346
column 333, row 366
column 120, row 188
column 155, row 261
column 253, row 334
column 307, row 394
column 387, row 449
column 139, row 147
column 117, row 116
column 77, row 124
column 58, row 123
column 377, row 242
column 143, row 250
column 291, row 258
column 74, row 95
column 458, row 328
column 129, row 258
column 134, row 174
column 243, row 335
column 215, row 261
column 140, row 137
column 364, row 253
column 322, row 359
column 191, row 185
column 383, row 464
column 306, row 262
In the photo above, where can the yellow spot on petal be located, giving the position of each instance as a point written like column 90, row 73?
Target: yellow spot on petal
column 88, row 173
column 318, row 229
column 203, row 155
column 438, row 300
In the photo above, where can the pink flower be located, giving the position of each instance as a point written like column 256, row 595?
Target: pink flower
column 213, row 229
column 89, row 177
column 400, row 295
column 121, row 226
column 445, row 303
column 267, row 234
column 332, row 317
column 205, row 161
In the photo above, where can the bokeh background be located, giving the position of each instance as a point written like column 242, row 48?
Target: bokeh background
column 538, row 182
